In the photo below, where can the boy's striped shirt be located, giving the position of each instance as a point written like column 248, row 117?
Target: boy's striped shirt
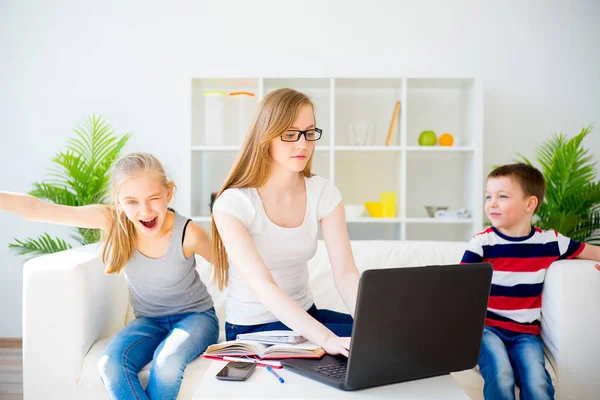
column 520, row 266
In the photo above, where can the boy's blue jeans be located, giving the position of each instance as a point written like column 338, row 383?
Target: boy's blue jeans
column 169, row 342
column 509, row 357
column 338, row 323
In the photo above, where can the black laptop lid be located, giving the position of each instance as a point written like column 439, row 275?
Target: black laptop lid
column 417, row 322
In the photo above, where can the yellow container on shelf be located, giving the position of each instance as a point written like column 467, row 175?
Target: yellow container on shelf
column 374, row 208
column 388, row 204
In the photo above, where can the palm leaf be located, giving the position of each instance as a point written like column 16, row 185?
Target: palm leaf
column 572, row 188
column 588, row 231
column 55, row 194
column 36, row 247
column 71, row 171
column 93, row 140
column 523, row 159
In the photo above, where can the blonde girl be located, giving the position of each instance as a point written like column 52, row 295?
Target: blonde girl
column 154, row 247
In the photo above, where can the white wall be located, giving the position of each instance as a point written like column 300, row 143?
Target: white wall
column 132, row 61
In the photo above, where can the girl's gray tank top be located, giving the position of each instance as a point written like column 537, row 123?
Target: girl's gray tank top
column 168, row 285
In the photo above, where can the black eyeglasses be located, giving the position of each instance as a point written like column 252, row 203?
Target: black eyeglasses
column 293, row 135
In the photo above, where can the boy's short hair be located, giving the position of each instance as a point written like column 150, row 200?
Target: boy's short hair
column 528, row 177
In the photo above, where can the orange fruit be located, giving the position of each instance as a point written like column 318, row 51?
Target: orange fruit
column 446, row 139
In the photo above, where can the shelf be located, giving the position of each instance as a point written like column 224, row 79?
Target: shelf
column 362, row 176
column 419, row 175
column 448, row 149
column 226, row 118
column 369, row 103
column 438, row 221
column 442, row 106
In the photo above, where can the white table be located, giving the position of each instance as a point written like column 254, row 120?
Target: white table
column 263, row 385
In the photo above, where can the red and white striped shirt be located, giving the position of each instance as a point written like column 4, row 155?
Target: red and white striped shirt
column 520, row 265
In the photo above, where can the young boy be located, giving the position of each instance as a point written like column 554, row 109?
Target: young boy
column 511, row 351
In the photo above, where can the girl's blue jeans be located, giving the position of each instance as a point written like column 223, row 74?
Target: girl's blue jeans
column 170, row 342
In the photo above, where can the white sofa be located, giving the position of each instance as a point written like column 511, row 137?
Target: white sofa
column 71, row 309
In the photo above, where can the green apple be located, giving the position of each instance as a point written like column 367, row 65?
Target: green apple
column 427, row 138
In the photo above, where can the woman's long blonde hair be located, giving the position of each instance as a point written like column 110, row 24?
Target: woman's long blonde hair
column 276, row 113
column 119, row 241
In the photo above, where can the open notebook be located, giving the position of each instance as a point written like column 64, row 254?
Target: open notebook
column 238, row 348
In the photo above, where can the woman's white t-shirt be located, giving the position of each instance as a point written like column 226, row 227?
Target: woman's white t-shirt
column 285, row 251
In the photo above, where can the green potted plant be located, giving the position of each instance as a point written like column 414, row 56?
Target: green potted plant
column 79, row 176
column 572, row 203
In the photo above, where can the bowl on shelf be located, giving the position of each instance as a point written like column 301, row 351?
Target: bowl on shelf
column 354, row 210
column 375, row 209
column 431, row 210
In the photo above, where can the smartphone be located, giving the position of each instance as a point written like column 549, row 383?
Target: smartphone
column 236, row 371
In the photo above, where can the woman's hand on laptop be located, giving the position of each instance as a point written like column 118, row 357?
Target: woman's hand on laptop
column 337, row 345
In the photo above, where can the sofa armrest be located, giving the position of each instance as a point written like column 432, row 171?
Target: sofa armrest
column 68, row 304
column 571, row 326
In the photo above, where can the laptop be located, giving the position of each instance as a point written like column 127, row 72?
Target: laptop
column 410, row 323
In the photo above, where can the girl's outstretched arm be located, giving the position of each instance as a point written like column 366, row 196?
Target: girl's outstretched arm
column 95, row 216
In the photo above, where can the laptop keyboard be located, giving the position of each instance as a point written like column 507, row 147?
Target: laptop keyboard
column 335, row 371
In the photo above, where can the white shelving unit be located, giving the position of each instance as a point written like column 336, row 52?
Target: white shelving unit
column 433, row 175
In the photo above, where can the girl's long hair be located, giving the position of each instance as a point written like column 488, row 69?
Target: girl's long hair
column 276, row 113
column 119, row 241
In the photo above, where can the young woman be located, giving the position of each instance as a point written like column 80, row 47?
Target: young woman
column 265, row 224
